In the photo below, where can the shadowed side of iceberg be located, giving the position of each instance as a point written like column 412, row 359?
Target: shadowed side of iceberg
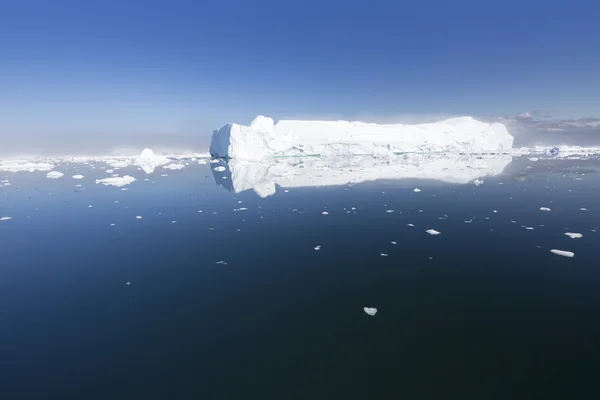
column 290, row 138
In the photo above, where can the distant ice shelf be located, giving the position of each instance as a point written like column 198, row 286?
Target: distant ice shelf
column 289, row 138
column 263, row 176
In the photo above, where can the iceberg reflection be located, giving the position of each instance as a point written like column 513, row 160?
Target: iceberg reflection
column 263, row 176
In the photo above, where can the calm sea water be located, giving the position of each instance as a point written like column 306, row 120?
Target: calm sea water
column 232, row 303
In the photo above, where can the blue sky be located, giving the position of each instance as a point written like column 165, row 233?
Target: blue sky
column 187, row 67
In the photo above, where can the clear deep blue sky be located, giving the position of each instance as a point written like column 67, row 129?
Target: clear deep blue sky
column 188, row 66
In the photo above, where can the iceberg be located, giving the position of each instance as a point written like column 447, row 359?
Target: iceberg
column 263, row 176
column 289, row 138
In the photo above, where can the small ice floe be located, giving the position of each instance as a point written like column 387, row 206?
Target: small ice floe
column 128, row 283
column 90, row 206
column 469, row 221
column 54, row 175
column 174, row 167
column 240, row 209
column 173, row 222
column 286, row 191
column 112, row 224
column 370, row 311
column 573, row 235
column 534, row 159
column 394, row 243
column 5, row 218
column 214, row 161
column 324, row 213
column 563, row 253
column 221, row 263
column 220, row 168
column 495, row 211
column 389, row 211
column 432, row 232
column 529, row 228
column 138, row 217
column 110, row 171
column 116, row 181
column 478, row 182
column 544, row 209
column 409, row 225
column 78, row 176
column 583, row 209
column 416, row 190
column 317, row 247
column 383, row 255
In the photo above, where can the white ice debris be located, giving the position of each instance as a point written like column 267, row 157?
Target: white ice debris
column 573, row 235
column 416, row 190
column 318, row 247
column 370, row 311
column 174, row 167
column 478, row 182
column 544, row 209
column 54, row 175
column 409, row 225
column 563, row 253
column 219, row 168
column 5, row 218
column 117, row 181
column 383, row 255
column 325, row 213
column 432, row 232
column 78, row 177
column 583, row 209
column 138, row 217
column 24, row 166
column 148, row 161
column 301, row 138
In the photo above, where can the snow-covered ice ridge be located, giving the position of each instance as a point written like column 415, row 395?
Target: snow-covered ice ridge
column 264, row 138
column 263, row 176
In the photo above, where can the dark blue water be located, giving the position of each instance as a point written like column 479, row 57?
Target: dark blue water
column 143, row 309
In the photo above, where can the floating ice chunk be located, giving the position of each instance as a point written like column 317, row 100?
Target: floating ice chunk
column 54, row 175
column 533, row 159
column 389, row 211
column 544, row 209
column 138, row 217
column 221, row 263
column 325, row 213
column 409, row 225
column 432, row 232
column 5, row 218
column 562, row 253
column 573, row 235
column 393, row 242
column 370, row 311
column 383, row 255
column 174, row 167
column 220, row 168
column 202, row 162
column 478, row 182
column 583, row 209
column 416, row 190
column 128, row 283
column 110, row 171
column 318, row 247
column 148, row 161
column 78, row 176
column 529, row 228
column 116, row 181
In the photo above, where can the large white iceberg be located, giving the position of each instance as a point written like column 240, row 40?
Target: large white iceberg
column 264, row 138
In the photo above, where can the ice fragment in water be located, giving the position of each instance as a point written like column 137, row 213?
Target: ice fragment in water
column 477, row 182
column 5, row 218
column 370, row 311
column 318, row 247
column 573, row 235
column 432, row 232
column 324, row 213
column 139, row 217
column 544, row 209
column 116, row 181
column 78, row 176
column 562, row 253
column 416, row 190
column 220, row 169
column 54, row 175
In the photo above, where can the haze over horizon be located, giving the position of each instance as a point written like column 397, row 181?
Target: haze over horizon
column 94, row 76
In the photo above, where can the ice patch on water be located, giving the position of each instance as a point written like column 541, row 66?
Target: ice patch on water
column 370, row 311
column 544, row 209
column 563, row 253
column 433, row 232
column 174, row 167
column 116, row 181
column 54, row 175
column 574, row 235
column 5, row 218
column 220, row 168
column 78, row 177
